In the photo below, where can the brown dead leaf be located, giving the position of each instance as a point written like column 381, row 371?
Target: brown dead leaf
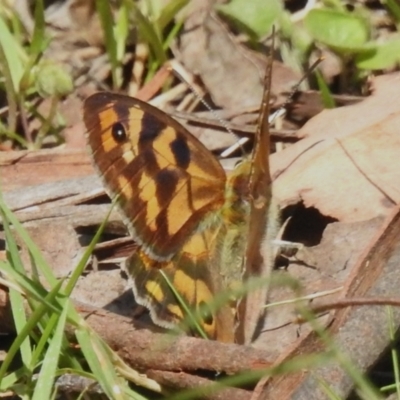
column 232, row 74
column 25, row 168
column 320, row 268
column 348, row 165
column 374, row 273
column 308, row 104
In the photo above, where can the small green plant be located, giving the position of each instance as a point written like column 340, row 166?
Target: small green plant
column 41, row 340
column 152, row 20
column 24, row 74
column 256, row 18
column 350, row 34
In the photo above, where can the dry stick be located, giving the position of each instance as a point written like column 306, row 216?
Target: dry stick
column 354, row 301
column 143, row 349
column 164, row 355
column 186, row 381
column 149, row 90
column 282, row 134
column 74, row 384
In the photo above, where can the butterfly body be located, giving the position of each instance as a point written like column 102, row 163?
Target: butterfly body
column 190, row 220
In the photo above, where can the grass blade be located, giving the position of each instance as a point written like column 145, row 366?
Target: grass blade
column 100, row 363
column 47, row 374
column 38, row 43
column 33, row 250
column 107, row 23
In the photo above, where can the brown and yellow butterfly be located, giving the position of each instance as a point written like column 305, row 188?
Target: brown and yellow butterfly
column 197, row 229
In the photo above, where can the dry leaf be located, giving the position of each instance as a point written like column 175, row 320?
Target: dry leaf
column 232, row 73
column 348, row 165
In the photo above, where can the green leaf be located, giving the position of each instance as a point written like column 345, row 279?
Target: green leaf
column 34, row 252
column 327, row 98
column 48, row 370
column 107, row 23
column 256, row 17
column 148, row 32
column 100, row 362
column 193, row 320
column 343, row 31
column 52, row 80
column 380, row 55
column 27, row 329
column 393, row 7
column 121, row 29
column 39, row 42
column 20, row 320
column 168, row 13
column 15, row 56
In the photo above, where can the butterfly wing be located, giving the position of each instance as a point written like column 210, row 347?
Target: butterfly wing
column 166, row 180
column 170, row 189
column 194, row 274
column 262, row 225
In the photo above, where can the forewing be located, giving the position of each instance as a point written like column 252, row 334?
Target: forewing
column 166, row 180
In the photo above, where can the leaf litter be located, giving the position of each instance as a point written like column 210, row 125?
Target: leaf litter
column 345, row 169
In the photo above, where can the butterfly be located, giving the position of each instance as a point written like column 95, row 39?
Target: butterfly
column 198, row 229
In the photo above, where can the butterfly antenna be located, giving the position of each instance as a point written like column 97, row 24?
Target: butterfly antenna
column 281, row 111
column 182, row 75
column 296, row 87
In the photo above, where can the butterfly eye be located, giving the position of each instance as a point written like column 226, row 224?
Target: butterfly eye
column 118, row 132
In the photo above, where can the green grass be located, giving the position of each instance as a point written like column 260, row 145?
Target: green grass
column 25, row 75
column 42, row 311
column 40, row 317
column 151, row 19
